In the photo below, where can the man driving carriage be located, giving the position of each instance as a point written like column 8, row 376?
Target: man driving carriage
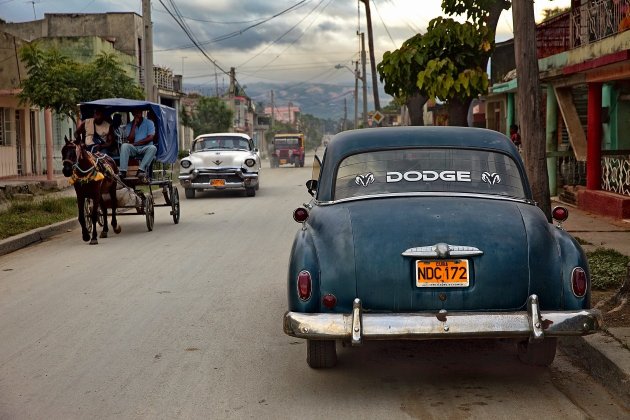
column 96, row 133
column 139, row 133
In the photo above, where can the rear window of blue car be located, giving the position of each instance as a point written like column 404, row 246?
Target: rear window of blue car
column 428, row 170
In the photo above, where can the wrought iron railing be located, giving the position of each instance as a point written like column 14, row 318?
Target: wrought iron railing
column 598, row 19
column 616, row 174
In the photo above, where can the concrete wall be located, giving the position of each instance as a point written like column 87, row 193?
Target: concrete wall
column 123, row 29
column 12, row 70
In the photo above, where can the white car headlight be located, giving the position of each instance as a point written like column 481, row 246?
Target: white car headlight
column 185, row 164
column 250, row 162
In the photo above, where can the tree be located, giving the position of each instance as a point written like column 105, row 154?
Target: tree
column 528, row 103
column 399, row 71
column 211, row 115
column 55, row 81
column 454, row 69
column 445, row 62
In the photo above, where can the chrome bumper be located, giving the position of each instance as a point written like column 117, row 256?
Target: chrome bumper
column 358, row 326
column 197, row 180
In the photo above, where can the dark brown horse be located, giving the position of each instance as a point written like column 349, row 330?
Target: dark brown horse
column 94, row 176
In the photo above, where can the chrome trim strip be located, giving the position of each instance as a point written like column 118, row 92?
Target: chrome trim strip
column 426, row 194
column 420, row 326
column 442, row 250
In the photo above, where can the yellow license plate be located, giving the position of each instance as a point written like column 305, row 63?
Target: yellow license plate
column 283, row 161
column 442, row 273
column 217, row 182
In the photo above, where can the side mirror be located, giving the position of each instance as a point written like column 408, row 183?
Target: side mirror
column 311, row 186
column 188, row 152
column 256, row 150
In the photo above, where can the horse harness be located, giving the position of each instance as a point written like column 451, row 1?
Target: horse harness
column 100, row 167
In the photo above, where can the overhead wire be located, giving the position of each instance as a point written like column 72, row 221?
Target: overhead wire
column 300, row 36
column 281, row 36
column 383, row 22
column 239, row 32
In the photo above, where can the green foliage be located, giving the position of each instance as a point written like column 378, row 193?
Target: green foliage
column 553, row 12
column 446, row 62
column 399, row 68
column 184, row 116
column 57, row 82
column 475, row 10
column 211, row 116
column 22, row 216
column 608, row 268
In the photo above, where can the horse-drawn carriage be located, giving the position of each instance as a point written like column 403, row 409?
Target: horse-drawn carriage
column 131, row 192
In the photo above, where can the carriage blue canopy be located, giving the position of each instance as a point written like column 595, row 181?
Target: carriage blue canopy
column 166, row 126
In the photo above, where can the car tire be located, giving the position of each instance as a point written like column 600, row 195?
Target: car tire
column 538, row 353
column 190, row 193
column 321, row 354
column 250, row 192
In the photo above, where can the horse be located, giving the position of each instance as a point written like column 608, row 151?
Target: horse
column 93, row 176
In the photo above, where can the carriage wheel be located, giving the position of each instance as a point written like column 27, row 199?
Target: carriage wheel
column 148, row 211
column 175, row 205
column 87, row 211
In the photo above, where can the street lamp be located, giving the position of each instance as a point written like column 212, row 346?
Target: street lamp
column 357, row 76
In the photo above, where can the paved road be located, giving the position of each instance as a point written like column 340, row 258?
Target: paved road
column 185, row 322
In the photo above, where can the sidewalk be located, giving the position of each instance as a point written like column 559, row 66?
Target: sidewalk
column 605, row 355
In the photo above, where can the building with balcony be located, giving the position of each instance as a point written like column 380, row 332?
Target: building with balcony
column 584, row 62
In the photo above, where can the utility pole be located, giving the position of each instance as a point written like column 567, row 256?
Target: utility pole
column 232, row 89
column 368, row 16
column 356, row 94
column 345, row 114
column 364, row 79
column 273, row 109
column 149, row 81
column 528, row 103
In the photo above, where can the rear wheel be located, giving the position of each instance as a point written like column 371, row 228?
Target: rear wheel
column 149, row 213
column 190, row 193
column 321, row 354
column 538, row 353
column 175, row 205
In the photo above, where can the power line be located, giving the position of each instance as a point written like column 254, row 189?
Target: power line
column 383, row 22
column 239, row 32
column 283, row 35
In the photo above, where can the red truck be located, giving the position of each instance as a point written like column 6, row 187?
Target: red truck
column 288, row 149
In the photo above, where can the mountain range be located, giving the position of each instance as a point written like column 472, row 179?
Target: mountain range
column 321, row 100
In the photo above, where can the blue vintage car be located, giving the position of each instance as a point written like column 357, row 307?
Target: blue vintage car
column 431, row 233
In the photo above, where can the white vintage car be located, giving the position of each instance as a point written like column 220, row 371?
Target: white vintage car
column 221, row 161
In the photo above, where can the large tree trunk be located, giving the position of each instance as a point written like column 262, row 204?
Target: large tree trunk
column 415, row 103
column 528, row 102
column 458, row 112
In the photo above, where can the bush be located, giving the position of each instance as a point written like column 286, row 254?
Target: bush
column 608, row 268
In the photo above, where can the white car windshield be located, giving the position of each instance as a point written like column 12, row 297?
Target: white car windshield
column 428, row 170
column 227, row 142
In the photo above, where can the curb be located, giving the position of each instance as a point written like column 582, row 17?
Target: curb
column 25, row 239
column 605, row 358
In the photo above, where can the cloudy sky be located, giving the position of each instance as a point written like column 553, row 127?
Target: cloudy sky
column 266, row 41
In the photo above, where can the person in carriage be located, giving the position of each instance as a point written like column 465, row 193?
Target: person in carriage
column 139, row 133
column 96, row 133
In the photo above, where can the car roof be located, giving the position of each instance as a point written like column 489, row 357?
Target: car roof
column 356, row 141
column 371, row 139
column 241, row 135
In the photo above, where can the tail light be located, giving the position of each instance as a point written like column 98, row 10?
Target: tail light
column 300, row 215
column 579, row 281
column 560, row 214
column 329, row 300
column 304, row 285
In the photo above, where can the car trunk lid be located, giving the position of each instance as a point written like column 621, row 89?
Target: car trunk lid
column 385, row 229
